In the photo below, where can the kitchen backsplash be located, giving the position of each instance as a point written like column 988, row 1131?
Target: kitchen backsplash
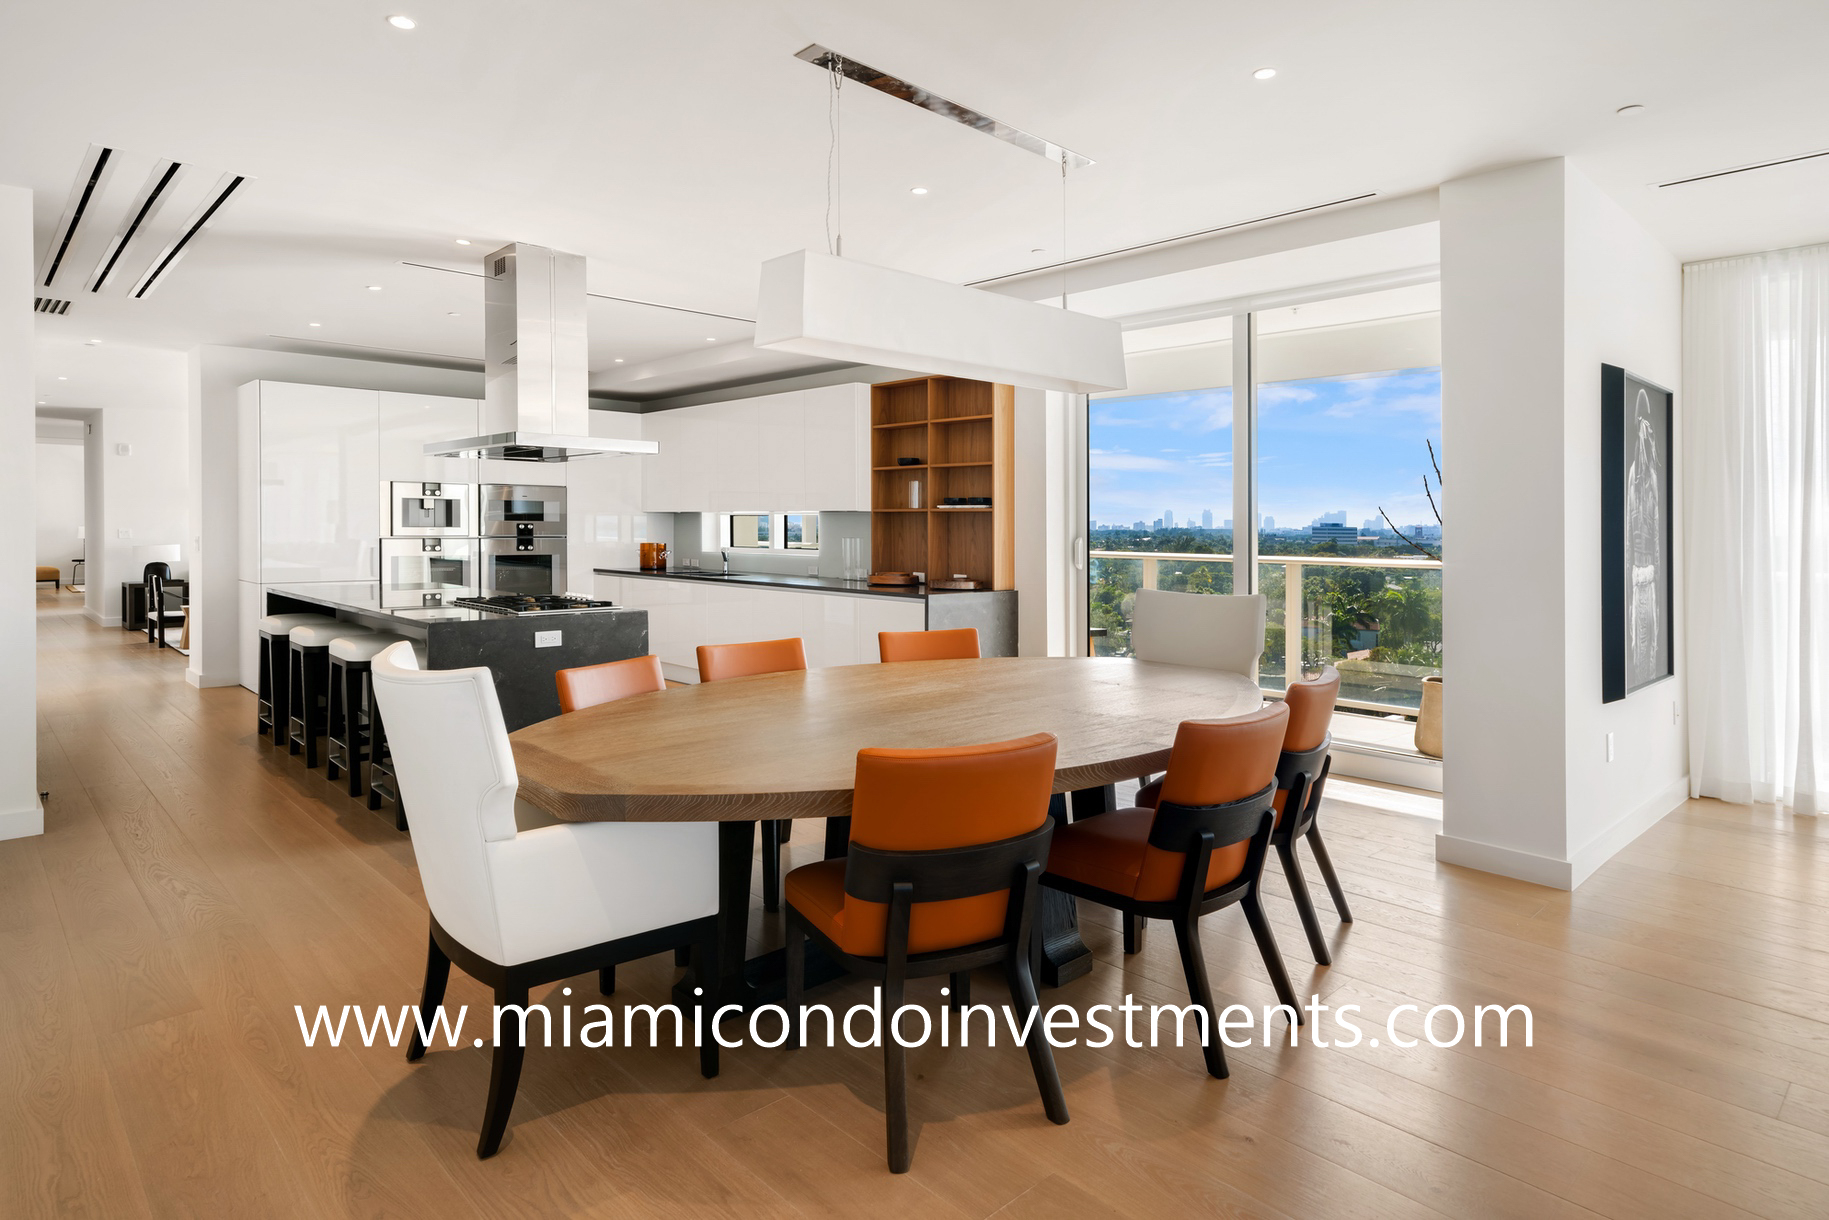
column 695, row 535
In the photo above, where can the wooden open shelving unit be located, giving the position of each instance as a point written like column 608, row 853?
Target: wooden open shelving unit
column 962, row 433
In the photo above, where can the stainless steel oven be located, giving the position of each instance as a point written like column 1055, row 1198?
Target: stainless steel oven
column 522, row 510
column 523, row 565
column 429, row 510
column 411, row 567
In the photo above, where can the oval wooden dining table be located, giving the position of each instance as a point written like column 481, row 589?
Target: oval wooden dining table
column 785, row 746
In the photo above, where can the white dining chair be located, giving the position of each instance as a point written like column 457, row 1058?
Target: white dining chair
column 518, row 910
column 1206, row 630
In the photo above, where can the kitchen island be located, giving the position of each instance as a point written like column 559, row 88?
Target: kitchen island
column 521, row 651
column 838, row 619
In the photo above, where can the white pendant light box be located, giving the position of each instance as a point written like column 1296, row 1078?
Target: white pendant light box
column 838, row 308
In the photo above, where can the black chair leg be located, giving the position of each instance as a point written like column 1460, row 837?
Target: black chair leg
column 504, row 1078
column 1334, row 889
column 264, row 690
column 355, row 695
column 1273, row 957
column 1194, row 967
column 606, row 980
column 334, row 721
column 682, row 956
column 1305, row 903
column 771, row 866
column 705, row 967
column 895, row 1081
column 295, row 663
column 959, row 990
column 1041, row 1055
column 795, row 951
column 1133, row 933
column 437, row 974
column 308, row 715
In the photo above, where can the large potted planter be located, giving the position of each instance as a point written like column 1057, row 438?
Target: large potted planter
column 1429, row 719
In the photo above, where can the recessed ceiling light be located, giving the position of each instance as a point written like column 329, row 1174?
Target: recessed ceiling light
column 917, row 190
column 454, row 314
column 314, row 324
column 374, row 288
column 463, row 241
column 619, row 360
column 401, row 22
column 710, row 340
column 1263, row 74
column 1630, row 112
column 63, row 379
column 1039, row 250
column 94, row 342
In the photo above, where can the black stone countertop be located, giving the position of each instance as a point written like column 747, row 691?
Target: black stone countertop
column 772, row 580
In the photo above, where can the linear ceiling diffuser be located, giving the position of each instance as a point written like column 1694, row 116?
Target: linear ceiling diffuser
column 91, row 181
column 841, row 309
column 201, row 219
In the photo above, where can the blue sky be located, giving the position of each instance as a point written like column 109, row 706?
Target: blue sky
column 1345, row 443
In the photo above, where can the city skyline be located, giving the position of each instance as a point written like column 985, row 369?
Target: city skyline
column 1329, row 447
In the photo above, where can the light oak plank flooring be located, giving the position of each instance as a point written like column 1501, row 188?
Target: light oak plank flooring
column 194, row 884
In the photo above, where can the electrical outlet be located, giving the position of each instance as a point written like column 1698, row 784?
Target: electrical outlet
column 1609, row 747
column 123, row 533
column 548, row 639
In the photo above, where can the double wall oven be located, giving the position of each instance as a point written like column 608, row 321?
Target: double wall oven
column 523, row 539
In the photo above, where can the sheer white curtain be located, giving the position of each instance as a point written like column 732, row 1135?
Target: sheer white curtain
column 1756, row 380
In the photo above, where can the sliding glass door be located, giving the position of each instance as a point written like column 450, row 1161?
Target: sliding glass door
column 1347, row 541
column 1159, row 476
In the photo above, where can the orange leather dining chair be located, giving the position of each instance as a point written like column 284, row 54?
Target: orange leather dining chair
column 954, row 644
column 589, row 685
column 720, row 662
column 939, row 878
column 1301, row 777
column 1202, row 848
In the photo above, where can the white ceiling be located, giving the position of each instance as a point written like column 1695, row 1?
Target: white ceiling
column 679, row 145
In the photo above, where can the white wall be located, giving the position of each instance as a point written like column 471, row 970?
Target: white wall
column 1543, row 279
column 20, row 812
column 59, row 499
column 215, row 375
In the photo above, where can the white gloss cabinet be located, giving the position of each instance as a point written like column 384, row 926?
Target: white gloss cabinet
column 803, row 450
column 319, row 477
column 408, row 422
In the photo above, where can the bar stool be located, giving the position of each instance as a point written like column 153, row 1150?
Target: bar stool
column 307, row 674
column 346, row 715
column 382, row 783
column 271, row 688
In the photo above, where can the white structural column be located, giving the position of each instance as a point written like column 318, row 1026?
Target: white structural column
column 20, row 812
column 1544, row 279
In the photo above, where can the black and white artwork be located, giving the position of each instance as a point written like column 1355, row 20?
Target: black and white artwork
column 1637, row 534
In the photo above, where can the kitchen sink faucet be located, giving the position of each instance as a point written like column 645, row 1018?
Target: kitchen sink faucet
column 726, row 555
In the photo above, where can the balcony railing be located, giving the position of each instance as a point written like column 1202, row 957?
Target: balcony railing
column 1383, row 655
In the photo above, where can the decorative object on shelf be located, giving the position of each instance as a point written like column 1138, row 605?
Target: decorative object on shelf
column 887, row 579
column 653, row 556
column 1429, row 719
column 1637, row 534
column 966, row 502
column 957, row 581
column 908, row 461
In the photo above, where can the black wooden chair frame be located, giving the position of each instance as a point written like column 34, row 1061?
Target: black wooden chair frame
column 1197, row 831
column 899, row 880
column 1304, row 776
column 512, row 984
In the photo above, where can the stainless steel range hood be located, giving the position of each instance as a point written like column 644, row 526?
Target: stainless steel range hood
column 536, row 392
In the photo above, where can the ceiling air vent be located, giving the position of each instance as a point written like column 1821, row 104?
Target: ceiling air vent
column 1745, row 169
column 91, row 180
column 200, row 220
column 50, row 305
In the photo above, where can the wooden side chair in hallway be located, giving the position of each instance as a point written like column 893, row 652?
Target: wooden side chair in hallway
column 519, row 910
column 1301, row 777
column 1202, row 848
column 953, row 644
column 940, row 878
column 721, row 662
column 589, row 685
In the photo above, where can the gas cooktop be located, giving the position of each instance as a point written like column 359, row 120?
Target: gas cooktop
column 523, row 603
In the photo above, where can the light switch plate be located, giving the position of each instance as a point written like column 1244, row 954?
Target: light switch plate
column 548, row 639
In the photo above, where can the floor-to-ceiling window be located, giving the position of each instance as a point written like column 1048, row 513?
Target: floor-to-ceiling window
column 1159, row 474
column 1347, row 541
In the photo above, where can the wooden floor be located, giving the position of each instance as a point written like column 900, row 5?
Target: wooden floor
column 192, row 886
